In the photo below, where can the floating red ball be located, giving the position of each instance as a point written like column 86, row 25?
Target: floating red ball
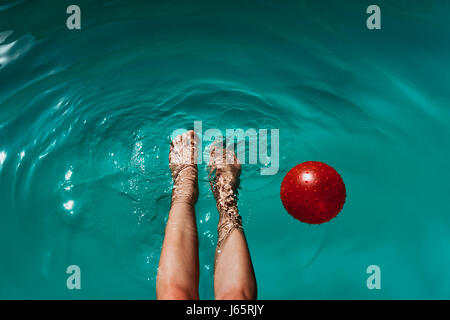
column 313, row 192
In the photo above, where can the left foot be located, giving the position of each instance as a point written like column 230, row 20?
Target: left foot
column 182, row 163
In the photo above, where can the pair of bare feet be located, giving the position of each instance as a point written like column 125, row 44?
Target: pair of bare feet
column 178, row 271
column 224, row 171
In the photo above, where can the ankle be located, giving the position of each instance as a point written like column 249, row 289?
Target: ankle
column 185, row 187
column 184, row 195
column 229, row 218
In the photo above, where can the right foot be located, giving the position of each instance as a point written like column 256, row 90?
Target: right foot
column 225, row 166
column 224, row 171
column 182, row 163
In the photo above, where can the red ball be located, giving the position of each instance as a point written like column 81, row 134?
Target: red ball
column 313, row 192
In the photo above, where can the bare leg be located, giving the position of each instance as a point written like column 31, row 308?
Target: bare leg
column 178, row 272
column 234, row 278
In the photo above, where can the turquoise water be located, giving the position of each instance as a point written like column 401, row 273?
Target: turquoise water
column 85, row 120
